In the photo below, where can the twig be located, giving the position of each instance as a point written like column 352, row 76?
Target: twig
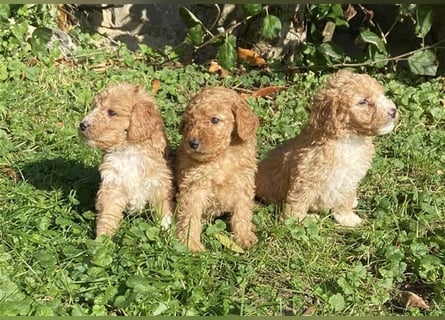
column 399, row 57
column 202, row 45
column 361, row 64
column 218, row 15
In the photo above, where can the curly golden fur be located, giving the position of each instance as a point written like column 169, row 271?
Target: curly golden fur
column 216, row 165
column 127, row 126
column 321, row 168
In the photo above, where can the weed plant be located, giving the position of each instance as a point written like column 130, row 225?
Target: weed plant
column 50, row 264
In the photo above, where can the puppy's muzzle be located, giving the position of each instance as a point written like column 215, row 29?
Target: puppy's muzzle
column 194, row 143
column 83, row 125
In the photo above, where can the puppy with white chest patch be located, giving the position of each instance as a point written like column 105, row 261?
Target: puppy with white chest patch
column 321, row 168
column 135, row 171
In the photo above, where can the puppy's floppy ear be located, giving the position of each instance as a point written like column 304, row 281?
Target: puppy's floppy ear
column 246, row 121
column 144, row 119
column 326, row 113
column 182, row 127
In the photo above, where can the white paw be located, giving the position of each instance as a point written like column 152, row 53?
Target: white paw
column 355, row 203
column 348, row 220
column 166, row 221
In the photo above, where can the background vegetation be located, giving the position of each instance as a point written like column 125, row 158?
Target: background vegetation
column 394, row 264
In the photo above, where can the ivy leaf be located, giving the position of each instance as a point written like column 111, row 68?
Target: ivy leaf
column 423, row 63
column 160, row 309
column 4, row 12
column 189, row 17
column 3, row 72
column 372, row 38
column 102, row 251
column 271, row 27
column 424, row 20
column 45, row 259
column 345, row 286
column 12, row 301
column 15, row 308
column 251, row 9
column 40, row 38
column 196, row 33
column 139, row 284
column 330, row 52
column 227, row 54
column 19, row 29
column 378, row 58
column 337, row 15
column 337, row 302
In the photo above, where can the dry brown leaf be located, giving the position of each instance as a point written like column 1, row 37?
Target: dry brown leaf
column 228, row 243
column 309, row 311
column 64, row 61
column 223, row 73
column 350, row 12
column 63, row 21
column 411, row 300
column 156, row 85
column 369, row 15
column 100, row 67
column 10, row 173
column 267, row 91
column 328, row 31
column 216, row 68
column 253, row 58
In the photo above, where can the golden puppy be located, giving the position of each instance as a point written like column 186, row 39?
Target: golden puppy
column 216, row 165
column 321, row 168
column 127, row 126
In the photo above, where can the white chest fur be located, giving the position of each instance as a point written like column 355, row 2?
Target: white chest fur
column 352, row 159
column 129, row 169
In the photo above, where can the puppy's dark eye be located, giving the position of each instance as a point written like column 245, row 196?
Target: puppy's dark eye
column 363, row 102
column 214, row 120
column 111, row 113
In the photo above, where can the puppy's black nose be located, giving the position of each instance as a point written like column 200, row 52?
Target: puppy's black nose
column 392, row 113
column 194, row 143
column 83, row 125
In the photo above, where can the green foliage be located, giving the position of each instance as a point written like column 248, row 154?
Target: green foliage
column 424, row 19
column 319, row 51
column 24, row 34
column 189, row 17
column 15, row 23
column 252, row 9
column 271, row 27
column 50, row 264
column 227, row 53
column 423, row 62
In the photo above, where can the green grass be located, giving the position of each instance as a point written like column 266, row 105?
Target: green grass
column 50, row 264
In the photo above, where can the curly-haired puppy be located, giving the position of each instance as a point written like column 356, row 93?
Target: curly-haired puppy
column 216, row 165
column 321, row 168
column 127, row 126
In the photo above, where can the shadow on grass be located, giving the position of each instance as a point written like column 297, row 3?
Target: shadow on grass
column 69, row 176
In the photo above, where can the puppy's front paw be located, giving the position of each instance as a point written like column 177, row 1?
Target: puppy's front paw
column 348, row 220
column 166, row 221
column 247, row 240
column 104, row 229
column 195, row 246
column 294, row 211
column 355, row 203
